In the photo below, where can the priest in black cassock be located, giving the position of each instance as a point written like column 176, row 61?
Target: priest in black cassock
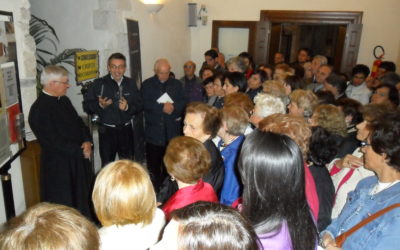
column 66, row 175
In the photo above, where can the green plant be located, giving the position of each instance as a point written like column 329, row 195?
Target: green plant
column 42, row 31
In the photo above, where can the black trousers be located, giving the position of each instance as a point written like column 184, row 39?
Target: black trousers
column 115, row 141
column 155, row 165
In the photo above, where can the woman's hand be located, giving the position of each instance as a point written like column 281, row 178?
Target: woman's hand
column 349, row 161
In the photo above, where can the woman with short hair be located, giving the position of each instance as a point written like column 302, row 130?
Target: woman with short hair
column 302, row 103
column 125, row 204
column 187, row 161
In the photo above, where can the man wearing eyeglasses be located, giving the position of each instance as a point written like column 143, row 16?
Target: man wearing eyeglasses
column 65, row 174
column 191, row 83
column 115, row 99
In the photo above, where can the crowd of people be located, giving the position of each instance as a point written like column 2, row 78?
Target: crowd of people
column 243, row 156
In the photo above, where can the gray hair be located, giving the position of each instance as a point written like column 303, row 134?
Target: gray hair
column 268, row 104
column 238, row 62
column 159, row 62
column 322, row 59
column 52, row 72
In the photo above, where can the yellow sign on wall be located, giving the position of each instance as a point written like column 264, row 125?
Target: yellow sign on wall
column 86, row 65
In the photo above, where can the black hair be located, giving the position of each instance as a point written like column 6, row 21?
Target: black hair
column 337, row 82
column 208, row 80
column 298, row 70
column 116, row 56
column 390, row 78
column 388, row 66
column 325, row 97
column 360, row 68
column 211, row 53
column 385, row 138
column 221, row 77
column 309, row 53
column 393, row 94
column 295, row 82
column 208, row 225
column 204, row 68
column 351, row 107
column 248, row 56
column 262, row 74
column 323, row 146
column 272, row 171
column 237, row 79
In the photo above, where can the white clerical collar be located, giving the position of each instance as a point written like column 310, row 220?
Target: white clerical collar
column 119, row 82
column 47, row 93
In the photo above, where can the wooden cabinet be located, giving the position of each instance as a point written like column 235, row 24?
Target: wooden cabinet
column 30, row 166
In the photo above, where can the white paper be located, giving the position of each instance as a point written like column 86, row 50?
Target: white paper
column 165, row 98
column 10, row 83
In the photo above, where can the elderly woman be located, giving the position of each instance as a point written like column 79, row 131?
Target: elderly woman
column 207, row 225
column 201, row 122
column 347, row 171
column 274, row 201
column 302, row 103
column 187, row 161
column 243, row 101
column 236, row 64
column 373, row 194
column 265, row 105
column 125, row 204
column 231, row 132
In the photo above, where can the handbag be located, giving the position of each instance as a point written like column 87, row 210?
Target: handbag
column 341, row 238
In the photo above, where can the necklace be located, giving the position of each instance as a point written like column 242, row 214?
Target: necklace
column 381, row 186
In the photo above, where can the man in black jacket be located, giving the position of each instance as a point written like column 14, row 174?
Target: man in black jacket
column 164, row 103
column 115, row 98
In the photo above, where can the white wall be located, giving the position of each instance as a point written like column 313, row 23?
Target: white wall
column 27, row 72
column 380, row 20
column 101, row 25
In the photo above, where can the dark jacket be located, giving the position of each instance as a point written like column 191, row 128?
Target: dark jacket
column 159, row 126
column 107, row 87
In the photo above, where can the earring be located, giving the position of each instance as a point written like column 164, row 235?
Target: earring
column 172, row 178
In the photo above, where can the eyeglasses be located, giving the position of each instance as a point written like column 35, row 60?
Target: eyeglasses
column 67, row 82
column 365, row 144
column 112, row 66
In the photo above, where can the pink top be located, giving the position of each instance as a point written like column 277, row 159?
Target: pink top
column 311, row 192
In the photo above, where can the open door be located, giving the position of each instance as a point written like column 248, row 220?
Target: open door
column 351, row 47
column 261, row 49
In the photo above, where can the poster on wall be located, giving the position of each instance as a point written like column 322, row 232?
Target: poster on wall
column 10, row 83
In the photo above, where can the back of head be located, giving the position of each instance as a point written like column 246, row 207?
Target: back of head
column 351, row 108
column 267, row 104
column 294, row 127
column 212, row 226
column 123, row 194
column 236, row 120
column 330, row 118
column 304, row 99
column 272, row 172
column 337, row 82
column 50, row 226
column 239, row 99
column 52, row 72
column 390, row 78
column 187, row 159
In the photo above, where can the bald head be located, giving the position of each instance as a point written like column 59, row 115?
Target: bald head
column 162, row 69
column 189, row 68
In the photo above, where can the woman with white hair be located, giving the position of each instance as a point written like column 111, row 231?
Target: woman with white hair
column 265, row 105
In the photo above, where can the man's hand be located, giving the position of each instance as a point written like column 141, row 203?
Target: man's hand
column 104, row 102
column 86, row 149
column 168, row 108
column 123, row 104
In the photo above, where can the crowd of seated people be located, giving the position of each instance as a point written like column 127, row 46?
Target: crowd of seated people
column 282, row 156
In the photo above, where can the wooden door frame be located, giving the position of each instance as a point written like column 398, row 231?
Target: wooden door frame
column 312, row 17
column 251, row 25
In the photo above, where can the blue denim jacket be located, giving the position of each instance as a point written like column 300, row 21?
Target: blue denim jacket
column 381, row 233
